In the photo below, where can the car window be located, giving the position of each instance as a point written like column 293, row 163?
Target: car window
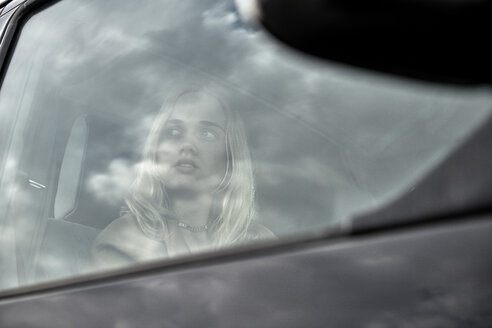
column 133, row 132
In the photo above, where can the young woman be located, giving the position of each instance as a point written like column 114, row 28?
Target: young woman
column 194, row 190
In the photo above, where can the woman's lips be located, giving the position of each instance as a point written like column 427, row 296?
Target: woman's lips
column 186, row 166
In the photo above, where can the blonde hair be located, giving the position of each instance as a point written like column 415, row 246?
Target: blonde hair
column 233, row 207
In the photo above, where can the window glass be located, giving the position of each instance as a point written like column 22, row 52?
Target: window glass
column 135, row 131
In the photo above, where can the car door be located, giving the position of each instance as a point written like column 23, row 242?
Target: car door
column 375, row 186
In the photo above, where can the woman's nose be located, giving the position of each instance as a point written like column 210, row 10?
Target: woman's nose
column 188, row 147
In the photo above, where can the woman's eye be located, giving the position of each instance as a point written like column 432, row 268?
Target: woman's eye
column 173, row 133
column 208, row 134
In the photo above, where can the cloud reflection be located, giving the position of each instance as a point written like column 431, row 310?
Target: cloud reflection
column 112, row 186
column 326, row 141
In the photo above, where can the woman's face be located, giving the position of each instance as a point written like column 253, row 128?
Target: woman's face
column 192, row 148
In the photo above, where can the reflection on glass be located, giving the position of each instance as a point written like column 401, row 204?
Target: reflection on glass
column 324, row 142
column 194, row 188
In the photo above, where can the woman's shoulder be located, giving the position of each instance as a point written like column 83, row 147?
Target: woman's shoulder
column 258, row 231
column 120, row 231
column 123, row 242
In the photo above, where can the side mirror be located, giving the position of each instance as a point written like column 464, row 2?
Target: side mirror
column 437, row 40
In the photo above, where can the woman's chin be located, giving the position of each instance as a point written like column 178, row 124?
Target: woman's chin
column 183, row 193
column 191, row 189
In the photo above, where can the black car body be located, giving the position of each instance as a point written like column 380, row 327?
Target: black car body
column 419, row 260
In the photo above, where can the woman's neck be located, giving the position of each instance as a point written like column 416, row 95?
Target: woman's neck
column 192, row 210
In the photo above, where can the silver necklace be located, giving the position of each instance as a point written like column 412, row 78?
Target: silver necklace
column 188, row 227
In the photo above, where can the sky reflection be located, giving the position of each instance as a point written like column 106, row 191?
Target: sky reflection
column 327, row 141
